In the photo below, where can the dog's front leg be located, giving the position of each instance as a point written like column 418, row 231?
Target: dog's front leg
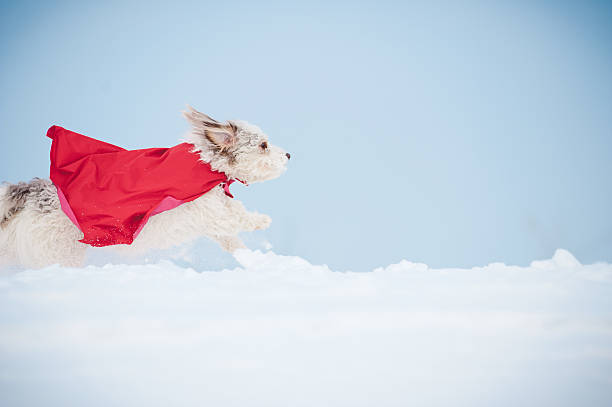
column 225, row 218
column 248, row 221
column 256, row 221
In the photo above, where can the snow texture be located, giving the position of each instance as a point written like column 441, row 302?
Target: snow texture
column 278, row 331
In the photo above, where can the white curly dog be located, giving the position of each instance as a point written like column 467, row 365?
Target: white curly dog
column 35, row 232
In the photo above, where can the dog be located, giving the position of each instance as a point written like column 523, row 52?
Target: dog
column 35, row 232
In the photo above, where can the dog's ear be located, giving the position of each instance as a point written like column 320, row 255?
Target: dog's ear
column 199, row 119
column 222, row 135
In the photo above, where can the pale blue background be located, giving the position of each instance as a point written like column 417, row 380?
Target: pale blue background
column 451, row 133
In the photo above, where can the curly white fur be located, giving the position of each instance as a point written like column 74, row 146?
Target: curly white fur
column 35, row 232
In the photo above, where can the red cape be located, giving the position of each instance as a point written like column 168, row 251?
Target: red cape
column 110, row 193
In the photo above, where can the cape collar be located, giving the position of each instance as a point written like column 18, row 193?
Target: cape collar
column 229, row 182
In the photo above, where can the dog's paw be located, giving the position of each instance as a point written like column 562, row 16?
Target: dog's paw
column 231, row 243
column 261, row 221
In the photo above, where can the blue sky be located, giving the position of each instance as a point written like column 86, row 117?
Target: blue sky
column 445, row 133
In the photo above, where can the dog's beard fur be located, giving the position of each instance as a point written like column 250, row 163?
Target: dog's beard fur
column 34, row 231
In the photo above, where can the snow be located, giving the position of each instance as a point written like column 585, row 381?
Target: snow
column 279, row 331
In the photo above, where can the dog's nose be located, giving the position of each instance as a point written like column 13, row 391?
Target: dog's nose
column 288, row 156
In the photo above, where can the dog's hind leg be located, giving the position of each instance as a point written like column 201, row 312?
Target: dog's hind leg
column 48, row 238
column 35, row 231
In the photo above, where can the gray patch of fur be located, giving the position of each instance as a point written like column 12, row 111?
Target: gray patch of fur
column 39, row 194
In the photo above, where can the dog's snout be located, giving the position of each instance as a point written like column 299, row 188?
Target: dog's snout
column 288, row 156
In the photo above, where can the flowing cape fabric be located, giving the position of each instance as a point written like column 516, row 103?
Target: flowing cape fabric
column 110, row 193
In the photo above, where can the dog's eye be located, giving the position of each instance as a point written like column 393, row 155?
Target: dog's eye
column 263, row 145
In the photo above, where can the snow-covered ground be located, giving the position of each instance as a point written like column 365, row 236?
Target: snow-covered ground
column 278, row 331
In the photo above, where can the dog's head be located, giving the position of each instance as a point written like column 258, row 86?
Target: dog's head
column 237, row 148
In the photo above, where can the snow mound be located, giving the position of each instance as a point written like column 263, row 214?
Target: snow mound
column 562, row 259
column 279, row 331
